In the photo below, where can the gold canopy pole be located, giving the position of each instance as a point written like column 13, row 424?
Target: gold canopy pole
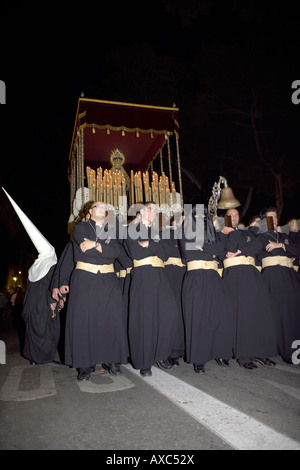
column 161, row 161
column 72, row 180
column 80, row 165
column 82, row 168
column 77, row 166
column 169, row 160
column 179, row 170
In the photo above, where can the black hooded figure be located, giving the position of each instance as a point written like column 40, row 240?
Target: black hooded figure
column 205, row 303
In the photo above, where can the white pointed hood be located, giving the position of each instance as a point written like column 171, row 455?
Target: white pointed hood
column 47, row 256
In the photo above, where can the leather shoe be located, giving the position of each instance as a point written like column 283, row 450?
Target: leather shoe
column 249, row 365
column 287, row 360
column 145, row 372
column 84, row 373
column 54, row 363
column 164, row 364
column 199, row 368
column 223, row 362
column 113, row 368
column 264, row 361
column 174, row 361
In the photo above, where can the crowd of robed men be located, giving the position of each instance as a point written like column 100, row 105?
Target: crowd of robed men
column 149, row 299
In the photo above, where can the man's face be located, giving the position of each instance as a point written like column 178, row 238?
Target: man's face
column 98, row 210
column 235, row 217
column 274, row 216
column 148, row 213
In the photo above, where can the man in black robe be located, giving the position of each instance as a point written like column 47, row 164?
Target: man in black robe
column 153, row 314
column 205, row 302
column 175, row 268
column 283, row 284
column 95, row 330
column 254, row 329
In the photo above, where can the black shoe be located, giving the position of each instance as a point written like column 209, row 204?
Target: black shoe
column 223, row 362
column 84, row 373
column 264, row 361
column 113, row 368
column 199, row 368
column 249, row 365
column 54, row 363
column 164, row 364
column 287, row 360
column 174, row 361
column 269, row 362
column 145, row 372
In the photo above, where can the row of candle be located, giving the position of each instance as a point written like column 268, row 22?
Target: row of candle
column 110, row 187
column 107, row 186
column 158, row 191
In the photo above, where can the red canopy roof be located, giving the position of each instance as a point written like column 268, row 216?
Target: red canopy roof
column 138, row 131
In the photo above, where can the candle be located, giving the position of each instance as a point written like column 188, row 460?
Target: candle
column 131, row 188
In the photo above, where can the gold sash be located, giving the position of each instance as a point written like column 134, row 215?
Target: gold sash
column 95, row 268
column 123, row 272
column 150, row 260
column 277, row 260
column 175, row 262
column 202, row 264
column 239, row 260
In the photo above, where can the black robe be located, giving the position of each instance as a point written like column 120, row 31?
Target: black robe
column 95, row 330
column 293, row 249
column 42, row 326
column 61, row 277
column 254, row 328
column 123, row 265
column 175, row 275
column 206, row 307
column 283, row 284
column 153, row 314
column 63, row 269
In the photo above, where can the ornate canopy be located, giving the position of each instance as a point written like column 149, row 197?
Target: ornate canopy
column 139, row 132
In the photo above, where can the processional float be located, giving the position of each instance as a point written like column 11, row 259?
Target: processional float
column 114, row 156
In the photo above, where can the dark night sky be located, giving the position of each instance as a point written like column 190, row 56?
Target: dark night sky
column 51, row 56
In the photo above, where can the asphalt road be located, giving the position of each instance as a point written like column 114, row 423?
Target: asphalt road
column 176, row 412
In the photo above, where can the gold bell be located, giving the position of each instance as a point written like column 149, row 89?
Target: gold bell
column 227, row 199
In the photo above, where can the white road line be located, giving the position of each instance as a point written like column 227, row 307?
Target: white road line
column 292, row 369
column 292, row 391
column 239, row 430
